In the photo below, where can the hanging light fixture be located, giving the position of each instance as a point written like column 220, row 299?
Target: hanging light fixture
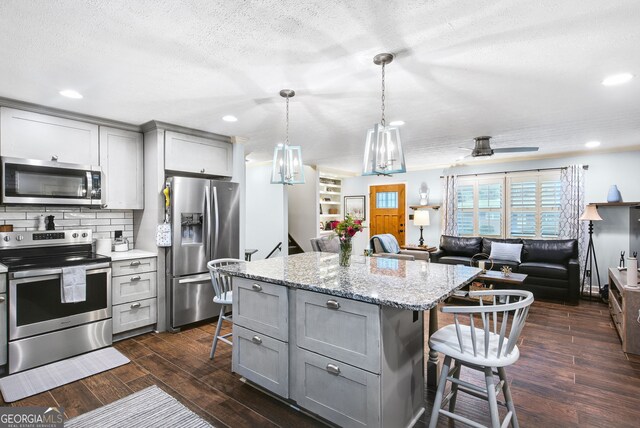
column 287, row 160
column 383, row 153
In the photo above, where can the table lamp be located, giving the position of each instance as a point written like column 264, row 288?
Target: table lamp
column 590, row 214
column 421, row 218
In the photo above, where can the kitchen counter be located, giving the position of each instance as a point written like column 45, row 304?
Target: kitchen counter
column 396, row 283
column 130, row 255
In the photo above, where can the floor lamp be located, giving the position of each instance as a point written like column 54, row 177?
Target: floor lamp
column 421, row 218
column 590, row 214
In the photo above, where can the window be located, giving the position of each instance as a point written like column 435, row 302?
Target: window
column 519, row 205
column 387, row 200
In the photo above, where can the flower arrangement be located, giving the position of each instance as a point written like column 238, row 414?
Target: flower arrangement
column 345, row 230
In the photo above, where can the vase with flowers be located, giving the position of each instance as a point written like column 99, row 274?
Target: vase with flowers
column 345, row 230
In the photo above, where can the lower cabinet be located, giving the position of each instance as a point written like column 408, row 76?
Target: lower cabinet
column 133, row 294
column 343, row 394
column 261, row 359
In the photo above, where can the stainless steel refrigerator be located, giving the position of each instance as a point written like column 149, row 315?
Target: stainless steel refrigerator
column 205, row 225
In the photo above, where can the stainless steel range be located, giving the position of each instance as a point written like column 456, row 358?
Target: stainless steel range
column 42, row 328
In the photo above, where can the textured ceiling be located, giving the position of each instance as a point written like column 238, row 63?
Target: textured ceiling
column 526, row 72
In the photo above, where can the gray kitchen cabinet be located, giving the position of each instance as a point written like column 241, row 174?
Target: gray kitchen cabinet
column 121, row 160
column 4, row 310
column 264, row 307
column 197, row 155
column 29, row 135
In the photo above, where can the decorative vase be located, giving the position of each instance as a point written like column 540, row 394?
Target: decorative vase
column 614, row 194
column 344, row 257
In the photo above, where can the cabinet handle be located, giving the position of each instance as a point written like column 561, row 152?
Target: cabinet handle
column 135, row 305
column 333, row 369
column 2, row 299
column 256, row 340
column 257, row 287
column 54, row 158
column 332, row 304
column 136, row 278
column 136, row 263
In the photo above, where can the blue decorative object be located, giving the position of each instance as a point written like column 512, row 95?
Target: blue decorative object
column 614, row 194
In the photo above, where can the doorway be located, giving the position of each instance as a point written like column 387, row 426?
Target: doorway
column 387, row 208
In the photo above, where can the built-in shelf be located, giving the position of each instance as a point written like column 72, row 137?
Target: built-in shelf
column 323, row 192
column 329, row 215
column 330, row 203
column 419, row 207
column 330, row 188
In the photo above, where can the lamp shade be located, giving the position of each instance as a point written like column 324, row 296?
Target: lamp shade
column 383, row 153
column 287, row 165
column 421, row 218
column 590, row 214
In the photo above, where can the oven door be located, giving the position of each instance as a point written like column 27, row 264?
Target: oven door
column 28, row 181
column 35, row 305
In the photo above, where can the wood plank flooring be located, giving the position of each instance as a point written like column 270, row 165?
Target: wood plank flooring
column 571, row 373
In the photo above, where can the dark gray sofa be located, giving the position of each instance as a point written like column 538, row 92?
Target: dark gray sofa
column 551, row 264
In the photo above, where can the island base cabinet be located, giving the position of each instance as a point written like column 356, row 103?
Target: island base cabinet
column 261, row 359
column 345, row 395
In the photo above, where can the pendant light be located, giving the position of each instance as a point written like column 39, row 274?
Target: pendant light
column 287, row 160
column 383, row 153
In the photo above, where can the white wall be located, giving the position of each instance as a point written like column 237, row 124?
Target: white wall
column 264, row 211
column 610, row 235
column 303, row 209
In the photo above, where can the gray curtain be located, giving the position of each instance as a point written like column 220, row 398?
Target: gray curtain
column 572, row 206
column 449, row 218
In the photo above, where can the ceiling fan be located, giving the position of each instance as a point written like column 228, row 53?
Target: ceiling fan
column 483, row 148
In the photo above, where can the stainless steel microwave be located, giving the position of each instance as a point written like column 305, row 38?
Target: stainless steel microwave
column 29, row 181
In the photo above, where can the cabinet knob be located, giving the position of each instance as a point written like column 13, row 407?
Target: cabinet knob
column 333, row 369
column 257, row 287
column 135, row 278
column 2, row 299
column 333, row 304
column 256, row 340
column 135, row 305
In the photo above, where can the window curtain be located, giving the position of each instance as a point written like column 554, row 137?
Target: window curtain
column 572, row 205
column 449, row 218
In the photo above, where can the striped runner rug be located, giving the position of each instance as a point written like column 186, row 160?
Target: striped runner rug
column 151, row 407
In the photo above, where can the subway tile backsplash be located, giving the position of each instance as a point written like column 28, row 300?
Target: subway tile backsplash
column 104, row 223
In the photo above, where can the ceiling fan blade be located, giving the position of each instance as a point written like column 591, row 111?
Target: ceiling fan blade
column 515, row 149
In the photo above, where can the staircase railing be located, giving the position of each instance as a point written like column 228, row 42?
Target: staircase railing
column 276, row 248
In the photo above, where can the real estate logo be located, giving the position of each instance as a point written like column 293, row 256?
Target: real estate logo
column 31, row 417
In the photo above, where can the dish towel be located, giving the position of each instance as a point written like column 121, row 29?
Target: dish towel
column 73, row 287
column 388, row 242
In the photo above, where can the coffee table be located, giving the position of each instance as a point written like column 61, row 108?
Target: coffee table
column 498, row 278
column 419, row 248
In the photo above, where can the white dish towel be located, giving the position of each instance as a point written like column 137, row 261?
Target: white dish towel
column 73, row 287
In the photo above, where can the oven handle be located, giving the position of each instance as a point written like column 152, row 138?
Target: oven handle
column 43, row 272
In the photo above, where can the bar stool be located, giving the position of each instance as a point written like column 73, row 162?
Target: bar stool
column 223, row 296
column 485, row 348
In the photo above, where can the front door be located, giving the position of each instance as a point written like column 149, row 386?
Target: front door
column 387, row 208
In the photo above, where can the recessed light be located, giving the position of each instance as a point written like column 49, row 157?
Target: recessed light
column 229, row 118
column 397, row 123
column 70, row 93
column 617, row 79
column 592, row 144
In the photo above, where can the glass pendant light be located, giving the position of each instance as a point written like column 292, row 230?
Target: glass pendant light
column 383, row 153
column 287, row 160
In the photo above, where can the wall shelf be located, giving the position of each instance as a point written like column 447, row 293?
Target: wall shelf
column 417, row 207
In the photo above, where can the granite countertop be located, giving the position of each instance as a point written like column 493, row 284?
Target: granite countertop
column 129, row 255
column 412, row 285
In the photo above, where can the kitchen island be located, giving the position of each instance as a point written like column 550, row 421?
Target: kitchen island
column 345, row 343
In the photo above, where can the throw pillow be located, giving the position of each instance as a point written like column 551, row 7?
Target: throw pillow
column 509, row 252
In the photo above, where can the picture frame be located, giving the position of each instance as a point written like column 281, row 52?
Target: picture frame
column 356, row 206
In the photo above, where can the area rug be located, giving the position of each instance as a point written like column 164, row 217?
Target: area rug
column 151, row 407
column 31, row 382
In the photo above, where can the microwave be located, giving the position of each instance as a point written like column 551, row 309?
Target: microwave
column 30, row 181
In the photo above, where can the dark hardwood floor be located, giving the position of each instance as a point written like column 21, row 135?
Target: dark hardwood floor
column 571, row 373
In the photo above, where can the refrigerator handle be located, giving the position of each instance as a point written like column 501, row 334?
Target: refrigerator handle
column 207, row 219
column 217, row 220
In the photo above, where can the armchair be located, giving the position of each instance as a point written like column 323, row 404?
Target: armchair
column 387, row 246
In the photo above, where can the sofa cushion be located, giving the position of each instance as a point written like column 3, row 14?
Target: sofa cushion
column 455, row 260
column 329, row 245
column 544, row 270
column 460, row 246
column 486, row 243
column 503, row 251
column 549, row 251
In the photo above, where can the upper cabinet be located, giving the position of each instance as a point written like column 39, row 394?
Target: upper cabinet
column 196, row 155
column 121, row 160
column 30, row 135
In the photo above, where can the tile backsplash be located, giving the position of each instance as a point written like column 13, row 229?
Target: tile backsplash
column 104, row 223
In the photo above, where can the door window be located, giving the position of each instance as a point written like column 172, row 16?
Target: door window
column 387, row 200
